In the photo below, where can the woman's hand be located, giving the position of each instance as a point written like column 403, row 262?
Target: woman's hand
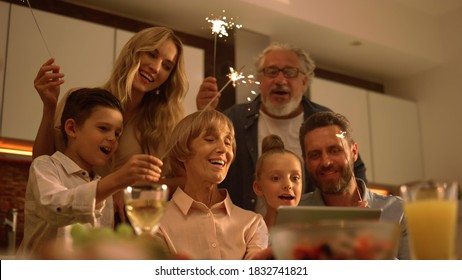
column 48, row 82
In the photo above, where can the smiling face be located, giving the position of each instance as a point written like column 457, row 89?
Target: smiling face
column 280, row 180
column 155, row 67
column 281, row 96
column 212, row 154
column 329, row 166
column 95, row 141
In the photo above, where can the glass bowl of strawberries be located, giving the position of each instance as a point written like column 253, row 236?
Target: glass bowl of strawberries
column 336, row 240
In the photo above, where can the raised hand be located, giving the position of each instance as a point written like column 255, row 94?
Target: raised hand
column 48, row 82
column 207, row 91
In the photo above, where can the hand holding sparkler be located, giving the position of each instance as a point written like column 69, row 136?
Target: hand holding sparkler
column 234, row 78
column 208, row 95
column 207, row 91
column 48, row 82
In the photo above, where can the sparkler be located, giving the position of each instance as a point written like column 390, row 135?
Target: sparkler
column 219, row 29
column 341, row 135
column 38, row 27
column 234, row 78
column 239, row 78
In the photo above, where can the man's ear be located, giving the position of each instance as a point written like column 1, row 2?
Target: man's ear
column 257, row 189
column 306, row 82
column 70, row 127
column 354, row 151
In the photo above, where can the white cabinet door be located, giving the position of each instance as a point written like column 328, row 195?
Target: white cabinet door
column 385, row 127
column 4, row 16
column 396, row 141
column 352, row 103
column 83, row 50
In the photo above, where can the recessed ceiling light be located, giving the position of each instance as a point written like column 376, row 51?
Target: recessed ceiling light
column 356, row 43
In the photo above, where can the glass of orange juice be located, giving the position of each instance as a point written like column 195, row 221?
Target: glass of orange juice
column 430, row 208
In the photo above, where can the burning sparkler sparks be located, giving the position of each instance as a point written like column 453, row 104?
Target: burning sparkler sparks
column 220, row 26
column 221, row 23
column 238, row 78
column 234, row 78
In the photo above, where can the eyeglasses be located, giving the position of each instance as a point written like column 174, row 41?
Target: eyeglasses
column 288, row 72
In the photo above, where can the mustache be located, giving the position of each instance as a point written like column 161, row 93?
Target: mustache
column 279, row 89
column 329, row 168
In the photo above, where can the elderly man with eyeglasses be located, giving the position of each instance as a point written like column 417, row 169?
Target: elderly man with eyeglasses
column 285, row 73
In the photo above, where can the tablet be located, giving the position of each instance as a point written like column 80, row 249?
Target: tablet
column 307, row 214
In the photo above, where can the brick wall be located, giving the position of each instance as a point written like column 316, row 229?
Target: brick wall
column 13, row 181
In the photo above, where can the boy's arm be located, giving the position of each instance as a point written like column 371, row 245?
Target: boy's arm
column 139, row 169
column 47, row 83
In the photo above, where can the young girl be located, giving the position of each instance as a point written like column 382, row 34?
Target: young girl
column 278, row 177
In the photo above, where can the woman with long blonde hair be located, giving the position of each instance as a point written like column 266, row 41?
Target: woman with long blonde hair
column 149, row 80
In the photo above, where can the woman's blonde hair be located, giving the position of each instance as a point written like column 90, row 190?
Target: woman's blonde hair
column 190, row 128
column 160, row 112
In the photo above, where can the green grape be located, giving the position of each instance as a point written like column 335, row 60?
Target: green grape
column 100, row 234
column 80, row 234
column 124, row 231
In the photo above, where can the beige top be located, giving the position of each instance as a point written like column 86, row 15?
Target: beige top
column 223, row 231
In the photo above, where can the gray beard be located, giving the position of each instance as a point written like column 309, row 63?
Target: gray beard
column 281, row 111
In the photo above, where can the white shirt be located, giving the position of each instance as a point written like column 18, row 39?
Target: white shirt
column 59, row 193
column 288, row 130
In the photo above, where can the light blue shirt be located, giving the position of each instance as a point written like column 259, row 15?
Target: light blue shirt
column 392, row 210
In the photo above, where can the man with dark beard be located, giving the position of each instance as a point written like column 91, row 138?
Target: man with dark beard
column 329, row 152
column 285, row 73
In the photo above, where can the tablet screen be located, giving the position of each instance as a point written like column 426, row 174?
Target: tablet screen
column 306, row 214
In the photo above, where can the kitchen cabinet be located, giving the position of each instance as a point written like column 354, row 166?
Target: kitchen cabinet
column 386, row 128
column 352, row 103
column 396, row 141
column 84, row 51
column 4, row 15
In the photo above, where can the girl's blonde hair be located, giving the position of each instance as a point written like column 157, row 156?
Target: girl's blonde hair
column 160, row 112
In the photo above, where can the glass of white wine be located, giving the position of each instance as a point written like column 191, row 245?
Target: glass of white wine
column 145, row 206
